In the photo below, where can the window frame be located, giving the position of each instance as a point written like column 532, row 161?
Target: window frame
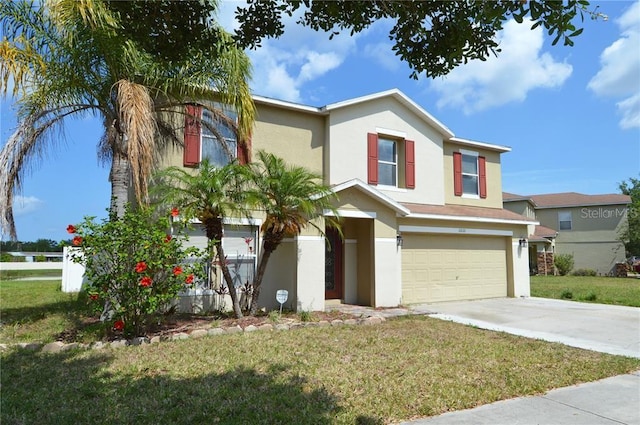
column 560, row 221
column 476, row 157
column 404, row 160
column 394, row 163
column 459, row 174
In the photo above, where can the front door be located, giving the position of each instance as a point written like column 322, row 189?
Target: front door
column 333, row 265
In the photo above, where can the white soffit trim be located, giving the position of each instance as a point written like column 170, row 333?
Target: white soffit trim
column 287, row 105
column 455, row 231
column 482, row 145
column 471, row 219
column 351, row 214
column 386, row 240
column 234, row 221
column 389, row 132
column 359, row 184
column 310, row 238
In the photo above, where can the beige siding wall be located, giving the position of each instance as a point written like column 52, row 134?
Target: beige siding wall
column 494, row 178
column 521, row 207
column 354, row 200
column 594, row 239
column 297, row 137
column 347, row 149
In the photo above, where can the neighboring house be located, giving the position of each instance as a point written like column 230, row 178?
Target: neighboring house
column 589, row 227
column 34, row 256
column 421, row 209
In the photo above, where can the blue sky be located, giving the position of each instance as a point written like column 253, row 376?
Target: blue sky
column 570, row 114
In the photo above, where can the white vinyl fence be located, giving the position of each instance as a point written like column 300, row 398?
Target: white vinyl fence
column 53, row 265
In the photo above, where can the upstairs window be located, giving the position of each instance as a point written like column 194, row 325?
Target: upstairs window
column 469, row 174
column 387, row 162
column 391, row 161
column 209, row 136
column 565, row 221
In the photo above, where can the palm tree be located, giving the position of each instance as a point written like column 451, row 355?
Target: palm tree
column 66, row 59
column 291, row 197
column 209, row 195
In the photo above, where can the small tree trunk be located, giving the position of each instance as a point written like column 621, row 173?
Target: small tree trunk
column 257, row 281
column 228, row 280
column 119, row 177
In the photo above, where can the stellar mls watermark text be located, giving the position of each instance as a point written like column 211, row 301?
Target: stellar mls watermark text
column 607, row 213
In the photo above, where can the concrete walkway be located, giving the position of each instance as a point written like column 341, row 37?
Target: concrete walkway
column 598, row 327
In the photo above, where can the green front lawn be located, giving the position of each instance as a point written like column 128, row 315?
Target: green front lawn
column 401, row 369
column 37, row 310
column 603, row 290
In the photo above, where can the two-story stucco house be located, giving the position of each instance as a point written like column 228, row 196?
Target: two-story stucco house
column 421, row 209
column 589, row 227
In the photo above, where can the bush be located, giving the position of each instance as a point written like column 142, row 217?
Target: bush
column 566, row 294
column 134, row 268
column 585, row 272
column 40, row 259
column 591, row 296
column 564, row 263
column 5, row 257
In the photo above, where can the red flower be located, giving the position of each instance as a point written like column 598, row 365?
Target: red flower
column 189, row 279
column 168, row 238
column 77, row 241
column 93, row 297
column 177, row 270
column 175, row 212
column 248, row 240
column 146, row 281
column 118, row 325
column 71, row 229
column 141, row 267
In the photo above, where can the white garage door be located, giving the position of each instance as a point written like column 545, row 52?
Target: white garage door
column 439, row 268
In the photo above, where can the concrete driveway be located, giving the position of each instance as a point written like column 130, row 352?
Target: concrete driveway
column 598, row 327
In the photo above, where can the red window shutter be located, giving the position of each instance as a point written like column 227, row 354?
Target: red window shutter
column 457, row 174
column 191, row 156
column 410, row 164
column 372, row 158
column 482, row 176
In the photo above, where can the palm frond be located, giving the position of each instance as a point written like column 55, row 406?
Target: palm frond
column 137, row 121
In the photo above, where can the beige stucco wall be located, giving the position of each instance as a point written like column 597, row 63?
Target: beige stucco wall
column 521, row 207
column 347, row 147
column 355, row 200
column 594, row 239
column 494, row 178
column 295, row 136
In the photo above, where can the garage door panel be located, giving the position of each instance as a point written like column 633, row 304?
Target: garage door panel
column 446, row 268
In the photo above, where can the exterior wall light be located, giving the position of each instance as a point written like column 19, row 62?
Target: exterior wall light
column 522, row 243
column 399, row 240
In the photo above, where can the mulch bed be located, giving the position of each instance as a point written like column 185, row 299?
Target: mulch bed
column 186, row 323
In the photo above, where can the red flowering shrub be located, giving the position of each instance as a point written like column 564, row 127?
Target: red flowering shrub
column 141, row 267
column 146, row 281
column 132, row 266
column 71, row 229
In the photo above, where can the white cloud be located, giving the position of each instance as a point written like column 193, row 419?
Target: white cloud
column 383, row 54
column 281, row 66
column 619, row 74
column 23, row 205
column 518, row 69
